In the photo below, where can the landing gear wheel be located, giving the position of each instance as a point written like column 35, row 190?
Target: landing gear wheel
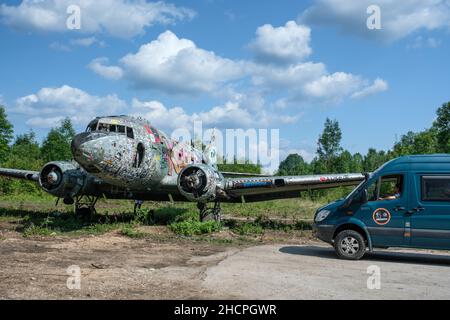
column 350, row 245
column 83, row 212
column 85, row 207
column 207, row 214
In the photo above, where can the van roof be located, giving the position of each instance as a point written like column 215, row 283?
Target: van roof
column 418, row 161
column 422, row 158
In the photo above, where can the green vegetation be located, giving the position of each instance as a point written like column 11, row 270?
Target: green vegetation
column 193, row 227
column 130, row 232
column 331, row 158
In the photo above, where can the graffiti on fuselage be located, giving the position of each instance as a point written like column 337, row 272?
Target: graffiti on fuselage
column 182, row 155
column 136, row 152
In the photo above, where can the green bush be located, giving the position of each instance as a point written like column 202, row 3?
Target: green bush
column 33, row 230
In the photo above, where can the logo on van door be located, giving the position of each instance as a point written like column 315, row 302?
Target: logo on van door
column 381, row 216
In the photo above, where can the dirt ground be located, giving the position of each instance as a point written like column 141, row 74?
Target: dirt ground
column 162, row 266
column 112, row 266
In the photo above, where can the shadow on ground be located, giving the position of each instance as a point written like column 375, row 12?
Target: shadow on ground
column 69, row 222
column 382, row 256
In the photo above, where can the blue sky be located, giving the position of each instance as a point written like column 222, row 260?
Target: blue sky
column 232, row 64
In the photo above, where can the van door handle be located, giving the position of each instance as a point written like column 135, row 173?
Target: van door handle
column 418, row 209
column 399, row 208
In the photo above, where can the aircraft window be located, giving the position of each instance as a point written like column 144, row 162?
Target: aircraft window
column 103, row 127
column 130, row 133
column 112, row 128
column 120, row 129
column 92, row 126
column 436, row 188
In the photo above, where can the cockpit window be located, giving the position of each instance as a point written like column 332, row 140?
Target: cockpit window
column 103, row 127
column 106, row 127
column 130, row 133
column 92, row 126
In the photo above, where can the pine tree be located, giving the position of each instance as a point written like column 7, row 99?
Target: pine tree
column 6, row 134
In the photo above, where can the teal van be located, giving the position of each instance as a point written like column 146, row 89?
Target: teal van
column 404, row 203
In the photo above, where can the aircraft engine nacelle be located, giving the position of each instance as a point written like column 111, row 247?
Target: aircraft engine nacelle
column 199, row 182
column 62, row 179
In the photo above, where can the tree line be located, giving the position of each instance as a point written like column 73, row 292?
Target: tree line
column 332, row 158
column 24, row 152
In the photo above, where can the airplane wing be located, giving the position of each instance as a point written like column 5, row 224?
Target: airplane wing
column 271, row 187
column 19, row 174
column 227, row 174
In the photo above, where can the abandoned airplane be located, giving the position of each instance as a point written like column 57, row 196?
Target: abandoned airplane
column 123, row 157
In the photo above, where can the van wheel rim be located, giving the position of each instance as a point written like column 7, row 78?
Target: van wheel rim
column 350, row 245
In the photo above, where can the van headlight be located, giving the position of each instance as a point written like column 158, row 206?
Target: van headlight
column 322, row 215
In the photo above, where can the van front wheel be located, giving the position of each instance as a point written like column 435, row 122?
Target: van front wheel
column 350, row 245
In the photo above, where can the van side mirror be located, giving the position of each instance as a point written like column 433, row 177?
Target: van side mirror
column 364, row 196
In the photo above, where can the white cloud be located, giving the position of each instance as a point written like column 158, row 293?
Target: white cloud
column 176, row 65
column 379, row 85
column 160, row 116
column 421, row 42
column 309, row 82
column 49, row 105
column 79, row 42
column 86, row 42
column 398, row 18
column 59, row 46
column 285, row 44
column 120, row 18
column 227, row 116
column 276, row 77
column 333, row 87
column 110, row 72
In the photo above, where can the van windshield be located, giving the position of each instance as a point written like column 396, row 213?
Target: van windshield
column 362, row 184
column 356, row 190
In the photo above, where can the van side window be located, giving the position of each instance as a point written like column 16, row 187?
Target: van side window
column 391, row 187
column 436, row 188
column 388, row 187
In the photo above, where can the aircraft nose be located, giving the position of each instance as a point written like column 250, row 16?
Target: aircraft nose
column 77, row 142
column 84, row 150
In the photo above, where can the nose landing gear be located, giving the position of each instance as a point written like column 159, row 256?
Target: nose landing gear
column 85, row 205
column 208, row 213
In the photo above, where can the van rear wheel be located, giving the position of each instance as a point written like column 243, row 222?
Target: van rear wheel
column 350, row 245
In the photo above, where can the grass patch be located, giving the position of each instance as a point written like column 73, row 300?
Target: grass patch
column 192, row 227
column 130, row 232
column 247, row 228
column 37, row 231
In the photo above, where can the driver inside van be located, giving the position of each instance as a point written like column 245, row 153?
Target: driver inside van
column 394, row 195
